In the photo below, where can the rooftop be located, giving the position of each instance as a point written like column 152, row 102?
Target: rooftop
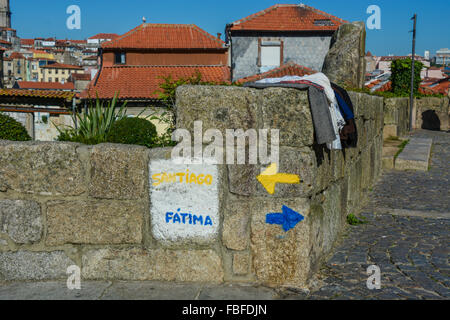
column 45, row 85
column 289, row 17
column 141, row 82
column 105, row 36
column 166, row 36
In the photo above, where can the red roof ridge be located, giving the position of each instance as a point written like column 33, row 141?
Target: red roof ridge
column 208, row 34
column 143, row 26
column 276, row 6
column 323, row 13
column 164, row 66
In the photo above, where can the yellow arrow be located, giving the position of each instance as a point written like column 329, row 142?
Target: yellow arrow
column 270, row 177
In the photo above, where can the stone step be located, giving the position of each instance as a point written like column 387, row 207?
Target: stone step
column 390, row 150
column 415, row 156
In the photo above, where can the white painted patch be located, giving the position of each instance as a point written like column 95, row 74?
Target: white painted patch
column 175, row 201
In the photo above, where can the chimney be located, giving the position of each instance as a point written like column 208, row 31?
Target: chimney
column 219, row 35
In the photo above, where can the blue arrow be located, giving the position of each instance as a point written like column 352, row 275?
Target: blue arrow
column 288, row 219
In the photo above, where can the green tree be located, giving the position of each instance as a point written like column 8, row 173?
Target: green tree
column 401, row 76
column 11, row 129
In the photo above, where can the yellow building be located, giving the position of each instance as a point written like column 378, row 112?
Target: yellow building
column 58, row 72
column 39, row 54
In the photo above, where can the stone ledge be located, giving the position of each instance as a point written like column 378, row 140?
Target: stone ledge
column 415, row 156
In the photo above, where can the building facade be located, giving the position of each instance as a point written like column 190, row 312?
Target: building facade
column 58, row 72
column 443, row 57
column 134, row 65
column 280, row 34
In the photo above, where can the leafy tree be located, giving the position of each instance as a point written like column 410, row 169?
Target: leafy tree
column 10, row 129
column 401, row 76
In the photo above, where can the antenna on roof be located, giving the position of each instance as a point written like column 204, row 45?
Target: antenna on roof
column 144, row 20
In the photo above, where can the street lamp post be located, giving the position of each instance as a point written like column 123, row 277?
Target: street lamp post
column 411, row 102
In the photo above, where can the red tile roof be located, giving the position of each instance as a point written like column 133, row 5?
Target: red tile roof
column 289, row 69
column 442, row 86
column 45, row 85
column 16, row 55
column 289, row 17
column 27, row 42
column 36, row 93
column 105, row 36
column 61, row 66
column 140, row 82
column 166, row 36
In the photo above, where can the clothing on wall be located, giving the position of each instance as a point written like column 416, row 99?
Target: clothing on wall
column 320, row 110
column 323, row 111
column 331, row 108
column 349, row 134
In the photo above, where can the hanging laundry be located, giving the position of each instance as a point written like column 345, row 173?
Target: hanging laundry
column 320, row 109
column 349, row 134
column 319, row 81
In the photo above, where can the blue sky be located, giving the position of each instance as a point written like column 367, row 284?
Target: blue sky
column 47, row 18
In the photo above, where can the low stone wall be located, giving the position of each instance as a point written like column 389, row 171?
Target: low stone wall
column 432, row 113
column 429, row 113
column 99, row 207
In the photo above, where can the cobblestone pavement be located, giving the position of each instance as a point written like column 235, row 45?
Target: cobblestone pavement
column 411, row 251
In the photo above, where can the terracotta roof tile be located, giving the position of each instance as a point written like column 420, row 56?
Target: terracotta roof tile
column 27, row 42
column 166, row 36
column 36, row 93
column 105, row 36
column 16, row 55
column 45, row 85
column 289, row 17
column 140, row 82
column 288, row 69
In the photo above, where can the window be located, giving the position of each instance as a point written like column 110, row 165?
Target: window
column 56, row 79
column 119, row 58
column 56, row 71
column 270, row 55
column 50, row 79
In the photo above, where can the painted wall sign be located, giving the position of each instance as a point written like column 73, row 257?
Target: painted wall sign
column 270, row 177
column 288, row 219
column 184, row 201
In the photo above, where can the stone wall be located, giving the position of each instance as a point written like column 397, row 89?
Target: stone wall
column 429, row 113
column 96, row 207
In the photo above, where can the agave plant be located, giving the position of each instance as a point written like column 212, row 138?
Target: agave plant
column 94, row 124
